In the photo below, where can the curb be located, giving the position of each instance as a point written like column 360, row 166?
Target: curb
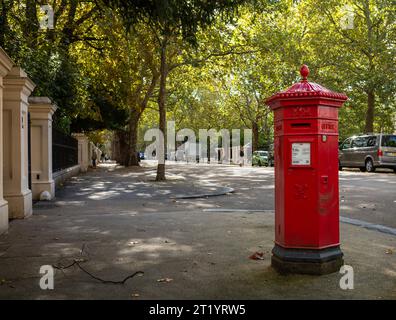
column 223, row 192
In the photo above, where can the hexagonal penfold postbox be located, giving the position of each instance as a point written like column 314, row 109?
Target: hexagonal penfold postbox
column 306, row 178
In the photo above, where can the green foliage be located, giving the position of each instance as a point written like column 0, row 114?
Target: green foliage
column 47, row 55
column 223, row 58
column 186, row 17
column 358, row 59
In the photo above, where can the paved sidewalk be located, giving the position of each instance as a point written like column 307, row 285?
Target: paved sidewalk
column 118, row 221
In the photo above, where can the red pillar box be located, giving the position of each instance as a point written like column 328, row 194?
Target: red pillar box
column 306, row 179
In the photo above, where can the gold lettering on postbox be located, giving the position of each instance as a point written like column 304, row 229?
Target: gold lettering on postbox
column 329, row 126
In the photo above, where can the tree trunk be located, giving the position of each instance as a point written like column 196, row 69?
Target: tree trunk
column 370, row 112
column 123, row 148
column 133, row 135
column 32, row 23
column 134, row 122
column 3, row 23
column 255, row 134
column 67, row 33
column 162, row 111
column 115, row 148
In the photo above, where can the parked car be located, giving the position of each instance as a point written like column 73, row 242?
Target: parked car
column 260, row 158
column 368, row 152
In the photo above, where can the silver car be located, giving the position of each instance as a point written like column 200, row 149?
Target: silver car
column 368, row 152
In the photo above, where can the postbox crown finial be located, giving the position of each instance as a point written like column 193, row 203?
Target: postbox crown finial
column 304, row 71
column 305, row 90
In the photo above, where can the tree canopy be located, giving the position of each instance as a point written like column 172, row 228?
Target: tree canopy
column 126, row 66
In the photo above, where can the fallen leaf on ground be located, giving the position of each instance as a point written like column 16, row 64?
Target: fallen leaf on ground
column 257, row 256
column 135, row 295
column 389, row 251
column 165, row 280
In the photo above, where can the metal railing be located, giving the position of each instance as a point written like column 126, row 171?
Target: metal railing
column 64, row 151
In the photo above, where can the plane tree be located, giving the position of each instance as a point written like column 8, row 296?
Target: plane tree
column 174, row 25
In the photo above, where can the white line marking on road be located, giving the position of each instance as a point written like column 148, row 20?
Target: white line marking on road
column 368, row 225
column 355, row 222
column 237, row 210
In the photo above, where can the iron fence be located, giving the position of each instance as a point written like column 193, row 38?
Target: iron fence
column 64, row 151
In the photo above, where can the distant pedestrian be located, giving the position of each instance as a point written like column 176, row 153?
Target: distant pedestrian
column 94, row 158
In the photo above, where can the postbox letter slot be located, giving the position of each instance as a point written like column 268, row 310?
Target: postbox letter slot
column 301, row 125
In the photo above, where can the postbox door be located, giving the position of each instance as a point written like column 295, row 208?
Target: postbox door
column 301, row 221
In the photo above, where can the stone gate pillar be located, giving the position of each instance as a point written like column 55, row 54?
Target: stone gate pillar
column 41, row 110
column 83, row 156
column 5, row 66
column 90, row 151
column 17, row 88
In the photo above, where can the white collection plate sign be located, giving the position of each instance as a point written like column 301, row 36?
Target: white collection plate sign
column 301, row 154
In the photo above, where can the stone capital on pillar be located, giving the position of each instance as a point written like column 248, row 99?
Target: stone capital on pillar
column 41, row 111
column 83, row 154
column 17, row 88
column 5, row 66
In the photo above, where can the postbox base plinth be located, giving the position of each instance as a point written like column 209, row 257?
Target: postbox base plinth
column 307, row 261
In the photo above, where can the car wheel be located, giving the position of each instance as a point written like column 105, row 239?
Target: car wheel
column 339, row 166
column 369, row 165
column 394, row 170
